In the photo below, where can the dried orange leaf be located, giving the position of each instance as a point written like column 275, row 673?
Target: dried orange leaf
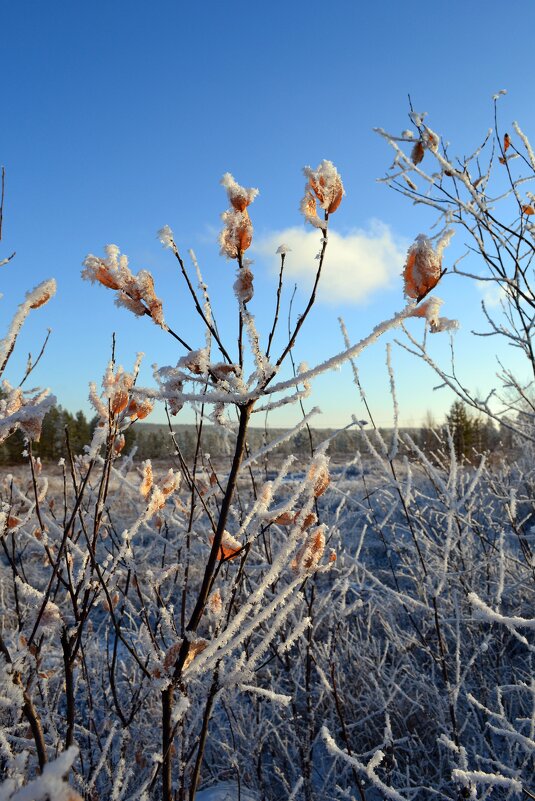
column 119, row 443
column 308, row 521
column 103, row 275
column 410, row 183
column 141, row 409
column 146, row 484
column 432, row 140
column 222, row 371
column 321, row 478
column 244, row 285
column 119, row 401
column 417, row 153
column 423, row 268
column 326, row 184
column 170, row 483
column 229, row 548
column 179, row 506
column 215, row 602
column 172, row 655
column 43, row 298
column 528, row 209
column 195, row 648
column 308, row 556
column 284, row 519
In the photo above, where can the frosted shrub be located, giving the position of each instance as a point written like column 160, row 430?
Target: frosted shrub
column 317, row 632
column 488, row 196
column 139, row 608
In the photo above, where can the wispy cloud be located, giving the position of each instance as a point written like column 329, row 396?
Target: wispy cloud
column 492, row 293
column 357, row 264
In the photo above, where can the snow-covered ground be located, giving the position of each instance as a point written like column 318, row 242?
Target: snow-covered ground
column 225, row 792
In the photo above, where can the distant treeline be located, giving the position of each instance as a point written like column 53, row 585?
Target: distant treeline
column 470, row 434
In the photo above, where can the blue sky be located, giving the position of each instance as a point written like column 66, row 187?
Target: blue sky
column 120, row 117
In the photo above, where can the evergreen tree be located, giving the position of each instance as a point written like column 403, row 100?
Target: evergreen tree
column 79, row 433
column 12, row 448
column 471, row 434
column 461, row 429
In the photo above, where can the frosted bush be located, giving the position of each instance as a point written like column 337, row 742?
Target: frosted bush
column 248, row 626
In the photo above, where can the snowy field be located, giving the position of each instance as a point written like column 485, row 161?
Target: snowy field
column 350, row 650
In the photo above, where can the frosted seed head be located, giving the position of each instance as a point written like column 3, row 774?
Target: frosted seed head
column 326, row 184
column 166, row 237
column 237, row 235
column 243, row 286
column 239, row 197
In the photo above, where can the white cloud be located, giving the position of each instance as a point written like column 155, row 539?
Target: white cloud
column 493, row 293
column 356, row 265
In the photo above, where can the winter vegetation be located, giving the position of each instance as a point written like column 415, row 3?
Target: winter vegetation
column 471, row 432
column 259, row 621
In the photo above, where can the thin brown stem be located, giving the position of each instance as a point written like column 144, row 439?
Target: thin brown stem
column 277, row 306
column 204, row 592
column 69, row 688
column 195, row 776
column 199, row 309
